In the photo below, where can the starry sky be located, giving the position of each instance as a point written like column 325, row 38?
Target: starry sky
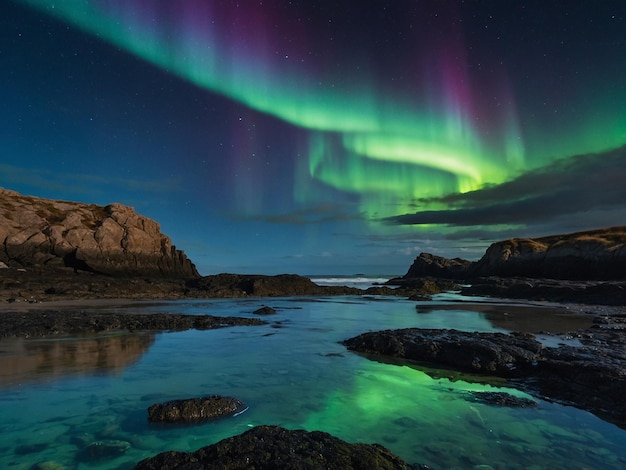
column 271, row 136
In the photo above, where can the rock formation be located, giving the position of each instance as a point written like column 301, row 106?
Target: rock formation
column 427, row 265
column 195, row 409
column 594, row 254
column 591, row 255
column 112, row 240
column 272, row 447
column 591, row 376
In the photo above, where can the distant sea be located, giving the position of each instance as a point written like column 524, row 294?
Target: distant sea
column 362, row 281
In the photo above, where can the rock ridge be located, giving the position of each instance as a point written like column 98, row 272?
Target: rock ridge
column 111, row 240
column 588, row 255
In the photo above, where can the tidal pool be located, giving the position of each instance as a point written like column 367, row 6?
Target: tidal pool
column 58, row 396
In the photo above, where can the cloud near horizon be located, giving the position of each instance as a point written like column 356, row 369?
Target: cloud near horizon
column 580, row 185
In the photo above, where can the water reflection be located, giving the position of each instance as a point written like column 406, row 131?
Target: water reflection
column 33, row 360
column 524, row 318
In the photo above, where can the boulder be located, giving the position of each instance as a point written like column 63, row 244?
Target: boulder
column 111, row 240
column 273, row 447
column 195, row 409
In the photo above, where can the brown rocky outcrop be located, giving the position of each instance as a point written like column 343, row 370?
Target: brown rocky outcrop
column 591, row 255
column 594, row 254
column 112, row 240
column 273, row 447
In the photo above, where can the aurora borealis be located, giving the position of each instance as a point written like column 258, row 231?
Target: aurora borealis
column 277, row 135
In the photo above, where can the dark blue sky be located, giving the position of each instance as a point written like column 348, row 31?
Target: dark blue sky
column 343, row 137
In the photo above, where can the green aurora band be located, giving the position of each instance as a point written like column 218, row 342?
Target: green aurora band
column 387, row 147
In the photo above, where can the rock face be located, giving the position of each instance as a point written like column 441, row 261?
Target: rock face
column 591, row 255
column 273, row 447
column 112, row 240
column 194, row 409
column 595, row 254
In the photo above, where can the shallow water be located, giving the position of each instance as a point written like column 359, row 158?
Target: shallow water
column 58, row 396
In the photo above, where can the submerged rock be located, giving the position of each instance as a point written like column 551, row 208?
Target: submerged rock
column 265, row 310
column 195, row 409
column 273, row 447
column 101, row 450
column 502, row 399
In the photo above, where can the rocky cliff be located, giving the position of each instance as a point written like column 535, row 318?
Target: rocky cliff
column 594, row 254
column 113, row 240
column 591, row 255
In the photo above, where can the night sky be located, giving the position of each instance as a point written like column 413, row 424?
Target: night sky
column 321, row 137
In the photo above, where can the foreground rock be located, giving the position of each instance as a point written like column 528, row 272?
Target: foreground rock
column 58, row 323
column 591, row 376
column 273, row 447
column 195, row 409
column 112, row 240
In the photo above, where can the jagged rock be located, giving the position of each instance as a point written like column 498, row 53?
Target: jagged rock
column 428, row 265
column 195, row 409
column 273, row 447
column 112, row 240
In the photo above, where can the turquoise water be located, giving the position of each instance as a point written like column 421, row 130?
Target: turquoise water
column 59, row 396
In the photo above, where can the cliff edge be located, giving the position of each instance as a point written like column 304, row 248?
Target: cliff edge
column 590, row 255
column 112, row 240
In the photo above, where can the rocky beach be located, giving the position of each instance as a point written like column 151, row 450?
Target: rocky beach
column 59, row 256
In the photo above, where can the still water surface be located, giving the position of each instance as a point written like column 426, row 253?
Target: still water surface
column 59, row 395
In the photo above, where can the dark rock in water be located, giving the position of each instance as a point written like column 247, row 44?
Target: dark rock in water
column 244, row 285
column 591, row 376
column 273, row 447
column 112, row 240
column 587, row 292
column 48, row 465
column 26, row 449
column 101, row 450
column 496, row 353
column 49, row 323
column 265, row 310
column 502, row 399
column 195, row 409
